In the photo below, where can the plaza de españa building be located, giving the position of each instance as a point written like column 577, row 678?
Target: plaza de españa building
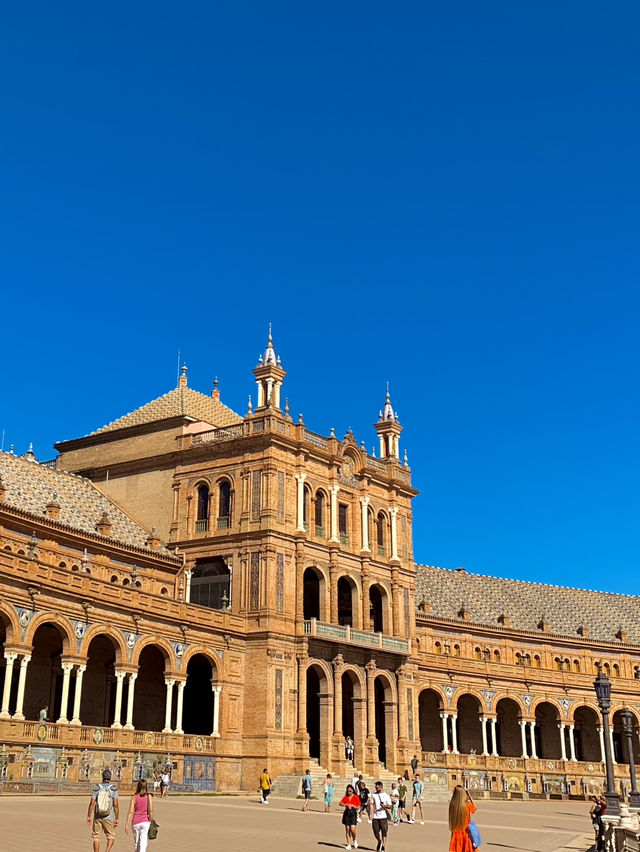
column 217, row 593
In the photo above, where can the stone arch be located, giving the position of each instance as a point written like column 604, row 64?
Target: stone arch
column 585, row 702
column 435, row 687
column 315, row 594
column 350, row 680
column 60, row 621
column 210, row 653
column 316, row 716
column 386, row 726
column 164, row 645
column 11, row 623
column 509, row 734
column 477, row 695
column 380, row 606
column 326, row 670
column 49, row 645
column 349, row 610
column 521, row 706
column 102, row 651
column 321, row 510
column 620, row 751
column 198, row 699
column 547, row 730
column 153, row 660
column 586, row 720
column 122, row 652
column 542, row 700
column 469, row 708
column 431, row 703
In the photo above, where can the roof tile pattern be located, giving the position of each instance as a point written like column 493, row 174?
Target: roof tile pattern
column 179, row 402
column 564, row 609
column 29, row 486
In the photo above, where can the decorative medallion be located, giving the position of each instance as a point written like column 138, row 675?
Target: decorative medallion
column 511, row 764
column 566, row 704
column 488, row 697
column 526, row 700
column 448, row 691
column 42, row 732
column 472, row 760
column 550, row 765
column 432, row 758
column 591, row 767
column 198, row 744
column 148, row 738
column 97, row 736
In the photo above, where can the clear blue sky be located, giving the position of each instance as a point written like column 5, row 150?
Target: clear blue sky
column 444, row 195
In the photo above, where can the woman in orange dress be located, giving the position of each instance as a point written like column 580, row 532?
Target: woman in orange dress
column 461, row 807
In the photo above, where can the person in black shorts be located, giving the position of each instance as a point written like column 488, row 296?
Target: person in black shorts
column 379, row 808
column 363, row 794
column 351, row 804
column 402, row 802
column 307, row 785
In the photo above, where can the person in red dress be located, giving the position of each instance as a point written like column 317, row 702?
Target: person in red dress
column 461, row 807
column 351, row 804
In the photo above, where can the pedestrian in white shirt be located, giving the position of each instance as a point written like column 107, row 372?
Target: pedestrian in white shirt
column 379, row 808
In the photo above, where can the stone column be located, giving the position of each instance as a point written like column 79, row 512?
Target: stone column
column 393, row 511
column 485, row 750
column 130, row 697
column 117, row 713
column 300, row 478
column 403, row 719
column 167, row 707
column 333, row 491
column 77, row 698
column 523, row 735
column 10, row 657
column 187, row 580
column 181, row 686
column 532, row 735
column 371, row 699
column 601, row 735
column 494, row 737
column 364, row 510
column 613, row 754
column 64, row 701
column 445, row 733
column 563, row 743
column 337, row 696
column 216, row 711
column 454, row 733
column 572, row 742
column 22, row 682
column 302, row 695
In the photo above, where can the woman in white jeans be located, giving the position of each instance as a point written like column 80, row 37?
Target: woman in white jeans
column 140, row 816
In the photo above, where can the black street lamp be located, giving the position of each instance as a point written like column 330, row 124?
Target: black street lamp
column 627, row 725
column 602, row 686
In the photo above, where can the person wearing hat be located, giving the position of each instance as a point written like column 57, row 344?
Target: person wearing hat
column 104, row 812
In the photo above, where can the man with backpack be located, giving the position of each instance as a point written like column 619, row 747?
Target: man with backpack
column 104, row 812
column 307, row 785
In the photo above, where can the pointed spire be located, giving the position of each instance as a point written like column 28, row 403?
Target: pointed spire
column 182, row 381
column 406, row 459
column 30, row 455
column 387, row 412
column 270, row 353
column 250, row 407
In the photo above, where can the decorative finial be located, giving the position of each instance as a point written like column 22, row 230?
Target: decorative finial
column 362, row 444
column 183, row 377
column 373, row 452
column 286, row 406
column 406, row 459
column 215, row 393
column 332, row 433
column 11, row 450
column 250, row 406
column 270, row 338
column 215, row 382
column 300, row 420
column 260, row 360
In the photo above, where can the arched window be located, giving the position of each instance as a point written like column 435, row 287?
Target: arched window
column 496, row 656
column 380, row 536
column 607, row 669
column 343, row 516
column 557, row 664
column 437, row 648
column 202, row 516
column 319, row 514
column 456, row 650
column 224, row 504
column 616, row 670
column 636, row 672
column 477, row 653
column 536, row 662
column 576, row 666
column 305, row 506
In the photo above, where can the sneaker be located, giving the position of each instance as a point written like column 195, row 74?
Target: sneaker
column 359, row 820
column 379, row 846
column 355, row 844
column 421, row 822
column 347, row 847
column 410, row 821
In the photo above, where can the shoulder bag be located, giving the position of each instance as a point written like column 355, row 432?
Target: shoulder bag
column 474, row 834
column 153, row 825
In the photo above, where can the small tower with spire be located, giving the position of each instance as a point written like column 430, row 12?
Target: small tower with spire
column 269, row 376
column 389, row 429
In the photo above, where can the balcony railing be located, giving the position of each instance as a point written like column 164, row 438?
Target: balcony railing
column 350, row 636
column 203, row 525
column 223, row 523
column 228, row 433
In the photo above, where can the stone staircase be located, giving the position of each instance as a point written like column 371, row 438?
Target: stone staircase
column 290, row 786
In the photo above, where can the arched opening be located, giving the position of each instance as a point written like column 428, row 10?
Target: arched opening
column 320, row 510
column 202, row 509
column 508, row 727
column 98, row 701
column 430, row 724
column 380, row 534
column 547, row 732
column 311, row 594
column 381, row 727
column 197, row 717
column 353, row 710
column 620, row 751
column 346, row 592
column 343, row 522
column 211, row 584
column 44, row 678
column 224, row 504
column 150, row 694
column 13, row 689
column 306, row 506
column 313, row 711
column 376, row 610
column 469, row 725
column 587, row 738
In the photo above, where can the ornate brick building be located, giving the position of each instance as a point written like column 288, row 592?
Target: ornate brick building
column 189, row 586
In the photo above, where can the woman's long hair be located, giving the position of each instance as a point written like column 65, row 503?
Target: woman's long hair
column 141, row 789
column 457, row 809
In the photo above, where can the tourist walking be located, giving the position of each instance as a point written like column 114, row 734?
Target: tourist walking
column 402, row 800
column 351, row 804
column 414, row 765
column 418, row 788
column 140, row 816
column 379, row 808
column 349, row 748
column 394, row 795
column 265, row 787
column 43, row 715
column 328, row 793
column 362, row 792
column 307, row 788
column 597, row 811
column 461, row 807
column 104, row 812
column 164, row 784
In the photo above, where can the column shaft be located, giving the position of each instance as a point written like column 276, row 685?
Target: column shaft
column 483, row 721
column 454, row 733
column 300, row 478
column 64, row 701
column 167, row 707
column 445, row 733
column 532, row 730
column 572, row 742
column 117, row 713
column 216, row 711
column 22, row 681
column 77, row 698
column 523, row 736
column 130, row 697
column 394, row 532
column 563, row 744
column 8, row 676
column 333, row 491
column 181, row 686
column 494, row 737
column 364, row 519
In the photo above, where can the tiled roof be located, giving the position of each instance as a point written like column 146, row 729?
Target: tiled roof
column 29, row 486
column 179, row 402
column 564, row 609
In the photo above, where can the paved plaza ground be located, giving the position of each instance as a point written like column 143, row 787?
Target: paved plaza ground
column 238, row 824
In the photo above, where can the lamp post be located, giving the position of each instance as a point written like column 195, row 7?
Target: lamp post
column 627, row 725
column 602, row 686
